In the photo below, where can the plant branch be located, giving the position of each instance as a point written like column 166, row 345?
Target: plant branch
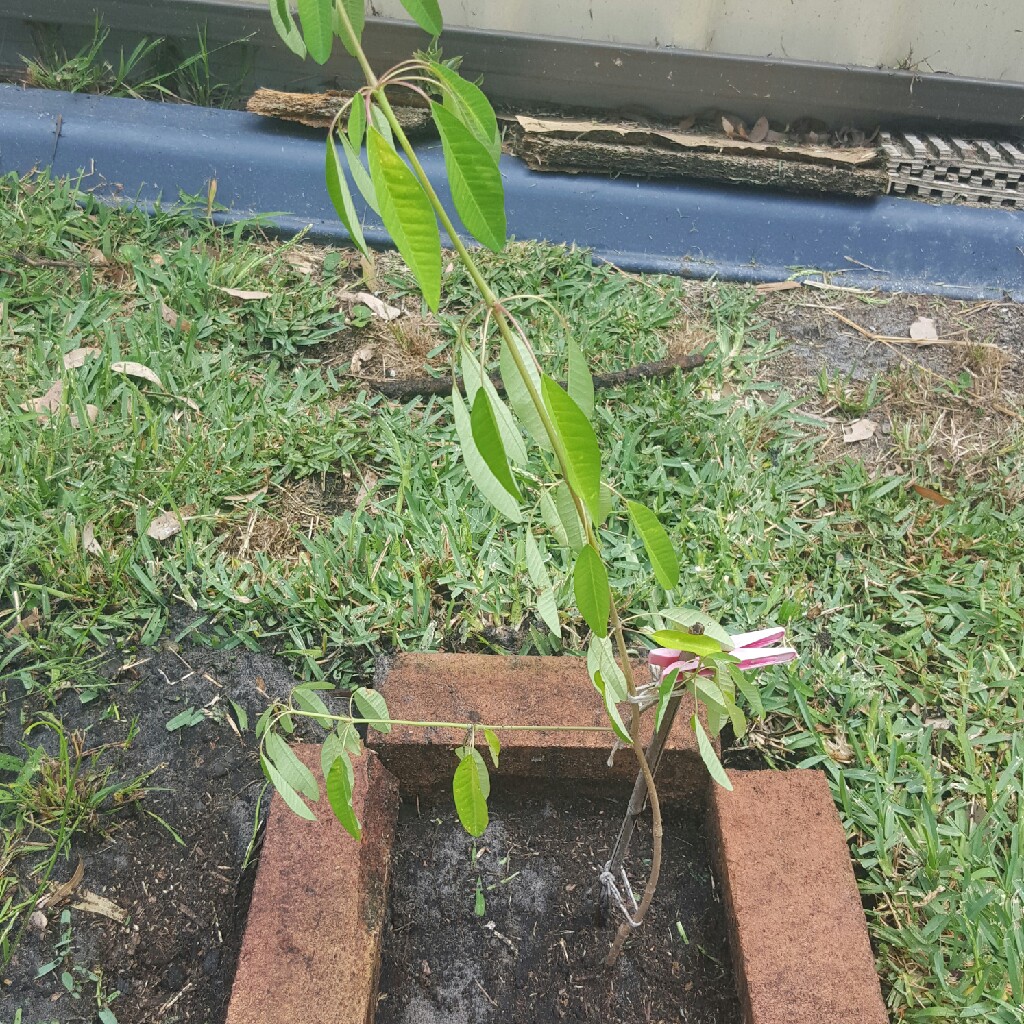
column 652, row 879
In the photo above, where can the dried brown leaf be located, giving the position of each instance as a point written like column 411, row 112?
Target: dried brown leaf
column 927, row 492
column 45, row 404
column 760, row 130
column 378, row 307
column 91, row 413
column 300, row 263
column 734, row 128
column 173, row 319
column 923, row 330
column 165, row 526
column 92, row 903
column 28, row 624
column 137, row 370
column 59, row 893
column 243, row 294
column 859, row 430
column 362, row 357
column 77, row 357
column 90, row 544
column 777, row 286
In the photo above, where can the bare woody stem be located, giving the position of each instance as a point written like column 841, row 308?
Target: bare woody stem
column 652, row 879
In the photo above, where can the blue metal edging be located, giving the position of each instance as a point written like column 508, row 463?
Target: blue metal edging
column 151, row 152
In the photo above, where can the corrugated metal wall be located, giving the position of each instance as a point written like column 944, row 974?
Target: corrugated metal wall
column 978, row 38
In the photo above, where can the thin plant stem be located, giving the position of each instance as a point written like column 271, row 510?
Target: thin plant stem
column 497, row 310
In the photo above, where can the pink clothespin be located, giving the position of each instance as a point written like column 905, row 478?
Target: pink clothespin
column 753, row 650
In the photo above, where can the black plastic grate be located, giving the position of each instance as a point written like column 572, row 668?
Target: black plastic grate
column 950, row 169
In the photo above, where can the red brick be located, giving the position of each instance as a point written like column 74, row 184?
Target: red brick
column 311, row 950
column 492, row 689
column 799, row 938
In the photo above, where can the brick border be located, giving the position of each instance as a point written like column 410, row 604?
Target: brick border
column 799, row 939
column 311, row 951
column 495, row 689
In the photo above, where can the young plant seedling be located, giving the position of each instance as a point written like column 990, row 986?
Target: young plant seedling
column 366, row 143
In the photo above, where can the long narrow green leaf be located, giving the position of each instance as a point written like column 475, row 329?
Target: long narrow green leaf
column 371, row 705
column 356, row 126
column 665, row 688
column 552, row 520
column 380, row 121
column 676, row 640
column 518, row 393
column 292, row 770
column 356, row 11
column 317, row 17
column 687, row 617
column 288, row 795
column 590, row 586
column 474, row 178
column 600, row 659
column 309, row 700
column 407, row 215
column 580, row 443
column 284, row 22
column 426, row 14
column 469, row 793
column 487, row 439
column 486, row 482
column 708, row 755
column 332, row 748
column 546, row 606
column 339, row 796
column 748, row 689
column 659, row 547
column 474, row 378
column 569, row 517
column 580, row 382
column 341, row 197
column 618, row 726
column 468, row 103
column 360, row 175
column 493, row 745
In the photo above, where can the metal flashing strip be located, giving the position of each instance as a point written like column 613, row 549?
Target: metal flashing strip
column 538, row 71
column 149, row 153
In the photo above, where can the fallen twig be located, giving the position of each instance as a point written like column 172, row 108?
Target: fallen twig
column 889, row 339
column 404, row 388
column 885, row 339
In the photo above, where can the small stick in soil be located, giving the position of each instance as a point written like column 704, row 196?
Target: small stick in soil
column 403, row 389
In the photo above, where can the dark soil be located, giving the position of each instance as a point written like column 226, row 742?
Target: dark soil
column 173, row 957
column 535, row 952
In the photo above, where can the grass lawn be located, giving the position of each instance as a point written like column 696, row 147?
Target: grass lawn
column 309, row 517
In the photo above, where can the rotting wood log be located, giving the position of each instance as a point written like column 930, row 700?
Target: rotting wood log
column 318, row 109
column 575, row 156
